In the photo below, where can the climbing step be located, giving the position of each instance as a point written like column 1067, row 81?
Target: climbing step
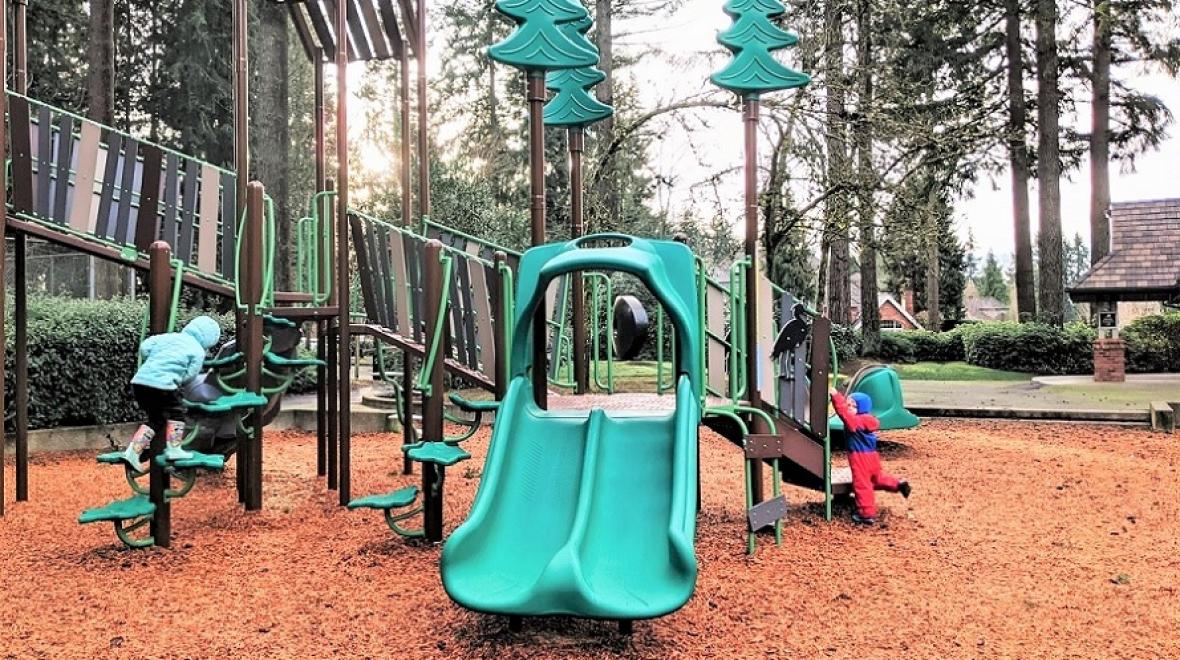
column 397, row 499
column 198, row 461
column 277, row 322
column 228, row 403
column 223, row 361
column 116, row 458
column 137, row 506
column 439, row 453
column 276, row 360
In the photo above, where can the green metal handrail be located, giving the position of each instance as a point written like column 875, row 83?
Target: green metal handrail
column 436, row 341
column 600, row 283
column 427, row 224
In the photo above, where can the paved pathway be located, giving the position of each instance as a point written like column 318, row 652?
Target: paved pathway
column 1060, row 392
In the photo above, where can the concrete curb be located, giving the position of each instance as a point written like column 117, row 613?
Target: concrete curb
column 1037, row 414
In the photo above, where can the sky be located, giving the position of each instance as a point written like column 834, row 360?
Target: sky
column 987, row 215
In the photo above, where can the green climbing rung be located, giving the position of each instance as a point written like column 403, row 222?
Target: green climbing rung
column 474, row 406
column 137, row 506
column 223, row 361
column 276, row 360
column 439, row 453
column 398, row 499
column 277, row 322
column 198, row 461
column 229, row 403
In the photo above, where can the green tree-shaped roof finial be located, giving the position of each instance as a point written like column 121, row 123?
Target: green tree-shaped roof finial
column 537, row 43
column 574, row 105
column 752, row 37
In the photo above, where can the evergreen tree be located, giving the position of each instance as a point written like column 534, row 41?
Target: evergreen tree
column 991, row 282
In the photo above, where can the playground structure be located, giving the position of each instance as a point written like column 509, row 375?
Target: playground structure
column 748, row 360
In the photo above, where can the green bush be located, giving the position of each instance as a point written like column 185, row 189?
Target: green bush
column 1153, row 343
column 1030, row 347
column 82, row 355
column 936, row 346
column 895, row 347
column 847, row 342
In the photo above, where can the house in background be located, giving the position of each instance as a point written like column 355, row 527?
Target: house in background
column 895, row 315
column 983, row 308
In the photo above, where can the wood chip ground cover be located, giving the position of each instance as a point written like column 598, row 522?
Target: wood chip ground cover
column 1021, row 540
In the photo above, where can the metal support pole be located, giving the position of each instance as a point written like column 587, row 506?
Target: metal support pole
column 536, row 101
column 500, row 326
column 3, row 218
column 241, row 97
column 750, row 107
column 408, row 408
column 423, row 118
column 159, row 304
column 577, row 145
column 252, row 343
column 342, row 269
column 331, row 370
column 433, row 475
column 406, row 138
column 20, row 285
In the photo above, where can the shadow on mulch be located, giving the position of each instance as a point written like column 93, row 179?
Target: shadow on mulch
column 488, row 634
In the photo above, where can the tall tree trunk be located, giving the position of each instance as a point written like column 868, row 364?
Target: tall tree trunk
column 1026, row 293
column 606, row 210
column 933, row 267
column 870, row 314
column 836, row 206
column 1100, row 135
column 100, row 54
column 271, row 137
column 1052, row 296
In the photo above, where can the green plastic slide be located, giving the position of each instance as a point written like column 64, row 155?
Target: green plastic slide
column 587, row 513
column 883, row 386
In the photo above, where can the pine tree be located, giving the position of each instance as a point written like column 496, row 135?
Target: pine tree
column 991, row 282
column 752, row 37
column 574, row 105
column 538, row 43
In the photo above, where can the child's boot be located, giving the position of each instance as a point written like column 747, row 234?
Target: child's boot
column 139, row 444
column 904, row 489
column 862, row 520
column 173, row 451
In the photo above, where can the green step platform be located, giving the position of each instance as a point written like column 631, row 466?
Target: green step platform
column 229, row 403
column 397, row 499
column 275, row 360
column 439, row 453
column 198, row 461
column 138, row 506
column 116, row 458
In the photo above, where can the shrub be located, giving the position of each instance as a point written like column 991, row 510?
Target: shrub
column 935, row 346
column 82, row 355
column 1153, row 343
column 1030, row 347
column 895, row 347
column 847, row 342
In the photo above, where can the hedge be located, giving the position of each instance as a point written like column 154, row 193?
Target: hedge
column 1030, row 347
column 82, row 355
column 1153, row 343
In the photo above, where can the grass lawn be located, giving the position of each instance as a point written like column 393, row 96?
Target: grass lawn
column 955, row 371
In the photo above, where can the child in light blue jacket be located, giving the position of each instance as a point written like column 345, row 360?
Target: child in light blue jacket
column 169, row 361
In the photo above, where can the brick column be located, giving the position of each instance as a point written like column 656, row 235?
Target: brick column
column 1110, row 361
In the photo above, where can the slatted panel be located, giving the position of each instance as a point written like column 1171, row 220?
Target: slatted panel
column 190, row 190
column 65, row 154
column 363, row 267
column 44, row 143
column 372, row 28
column 356, row 32
column 208, row 219
column 481, row 309
column 330, row 8
column 147, row 226
column 389, row 18
column 229, row 224
column 766, row 384
column 716, row 301
column 81, row 218
column 127, row 176
column 22, row 155
column 401, row 281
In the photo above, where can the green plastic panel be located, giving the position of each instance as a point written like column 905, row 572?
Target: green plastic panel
column 752, row 37
column 199, row 461
column 398, row 499
column 439, row 453
column 537, row 43
column 276, row 360
column 581, row 513
column 573, row 105
column 137, row 506
column 225, row 404
column 474, row 406
column 884, row 387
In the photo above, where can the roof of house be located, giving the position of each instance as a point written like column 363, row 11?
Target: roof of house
column 1144, row 259
column 886, row 299
column 984, row 308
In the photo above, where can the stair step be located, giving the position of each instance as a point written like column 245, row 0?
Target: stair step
column 397, row 499
column 137, row 506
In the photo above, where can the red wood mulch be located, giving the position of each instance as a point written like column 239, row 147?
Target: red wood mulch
column 1020, row 540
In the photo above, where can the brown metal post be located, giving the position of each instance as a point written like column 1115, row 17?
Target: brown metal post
column 500, row 327
column 406, row 137
column 408, row 436
column 253, row 343
column 330, row 354
column 577, row 145
column 159, row 304
column 321, row 168
column 750, row 107
column 536, row 100
column 20, row 284
column 423, row 118
column 241, row 54
column 432, row 406
column 342, row 270
column 3, row 215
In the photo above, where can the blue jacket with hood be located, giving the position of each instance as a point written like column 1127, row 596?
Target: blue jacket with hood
column 172, row 359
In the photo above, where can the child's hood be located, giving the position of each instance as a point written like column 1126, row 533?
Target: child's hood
column 205, row 330
column 863, row 403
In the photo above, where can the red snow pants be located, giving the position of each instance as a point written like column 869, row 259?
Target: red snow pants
column 867, row 476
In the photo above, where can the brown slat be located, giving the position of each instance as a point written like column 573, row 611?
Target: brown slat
column 401, row 280
column 481, row 306
column 821, row 365
column 147, row 222
column 763, row 446
column 207, row 219
column 303, row 30
column 65, row 155
column 315, row 12
column 715, row 303
column 767, row 388
column 80, row 216
column 356, row 31
column 373, row 28
column 410, row 24
column 389, row 17
column 22, row 155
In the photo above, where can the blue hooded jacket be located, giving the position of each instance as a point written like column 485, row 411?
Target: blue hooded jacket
column 172, row 359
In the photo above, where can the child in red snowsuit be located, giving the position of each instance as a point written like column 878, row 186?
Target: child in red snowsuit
column 860, row 428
